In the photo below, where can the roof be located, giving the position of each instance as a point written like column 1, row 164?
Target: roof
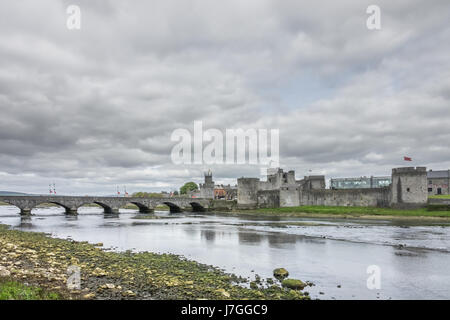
column 438, row 174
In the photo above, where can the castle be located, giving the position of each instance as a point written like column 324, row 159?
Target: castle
column 209, row 190
column 408, row 190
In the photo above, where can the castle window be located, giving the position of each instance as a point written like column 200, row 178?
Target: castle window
column 430, row 189
column 407, row 189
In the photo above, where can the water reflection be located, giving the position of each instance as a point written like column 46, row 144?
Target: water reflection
column 112, row 216
column 280, row 240
column 208, row 235
column 25, row 222
column 250, row 238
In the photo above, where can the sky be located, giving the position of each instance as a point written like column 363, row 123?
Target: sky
column 94, row 108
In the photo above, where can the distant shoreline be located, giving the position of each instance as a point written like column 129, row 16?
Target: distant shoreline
column 345, row 212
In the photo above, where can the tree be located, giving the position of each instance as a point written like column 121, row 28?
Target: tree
column 188, row 186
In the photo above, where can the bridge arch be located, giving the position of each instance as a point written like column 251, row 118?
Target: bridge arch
column 142, row 207
column 27, row 206
column 107, row 208
column 197, row 207
column 67, row 209
column 11, row 203
column 173, row 207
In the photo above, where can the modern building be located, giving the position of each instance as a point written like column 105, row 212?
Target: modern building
column 361, row 182
column 438, row 182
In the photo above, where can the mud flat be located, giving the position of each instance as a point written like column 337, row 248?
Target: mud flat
column 39, row 261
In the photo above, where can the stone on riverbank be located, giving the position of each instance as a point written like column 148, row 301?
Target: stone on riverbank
column 4, row 272
column 293, row 284
column 280, row 273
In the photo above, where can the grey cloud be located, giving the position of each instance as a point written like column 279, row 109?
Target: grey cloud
column 95, row 108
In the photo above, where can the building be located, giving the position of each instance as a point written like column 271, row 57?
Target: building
column 408, row 189
column 226, row 192
column 438, row 182
column 280, row 189
column 361, row 182
column 209, row 190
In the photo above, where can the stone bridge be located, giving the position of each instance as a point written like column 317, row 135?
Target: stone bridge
column 109, row 204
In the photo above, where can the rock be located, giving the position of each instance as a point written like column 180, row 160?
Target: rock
column 293, row 284
column 223, row 292
column 128, row 293
column 109, row 286
column 4, row 272
column 280, row 273
column 89, row 296
column 99, row 272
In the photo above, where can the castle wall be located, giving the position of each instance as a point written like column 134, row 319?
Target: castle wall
column 289, row 196
column 408, row 189
column 375, row 197
column 268, row 199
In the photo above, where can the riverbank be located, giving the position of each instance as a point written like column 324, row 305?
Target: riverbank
column 345, row 212
column 42, row 262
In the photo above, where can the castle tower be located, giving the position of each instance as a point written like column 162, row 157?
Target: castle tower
column 207, row 188
column 409, row 187
column 247, row 192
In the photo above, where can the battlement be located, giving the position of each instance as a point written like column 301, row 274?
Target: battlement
column 247, row 180
column 322, row 177
column 409, row 170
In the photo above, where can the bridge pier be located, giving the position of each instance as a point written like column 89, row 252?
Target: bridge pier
column 111, row 210
column 146, row 210
column 72, row 211
column 25, row 212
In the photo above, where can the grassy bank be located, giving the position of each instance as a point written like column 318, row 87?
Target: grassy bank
column 441, row 196
column 13, row 290
column 328, row 211
column 42, row 261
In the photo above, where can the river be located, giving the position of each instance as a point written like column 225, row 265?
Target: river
column 413, row 257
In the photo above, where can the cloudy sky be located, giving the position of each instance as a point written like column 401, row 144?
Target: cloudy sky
column 94, row 108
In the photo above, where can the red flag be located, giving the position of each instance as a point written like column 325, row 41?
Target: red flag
column 407, row 159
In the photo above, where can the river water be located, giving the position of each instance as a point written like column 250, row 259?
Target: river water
column 413, row 259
